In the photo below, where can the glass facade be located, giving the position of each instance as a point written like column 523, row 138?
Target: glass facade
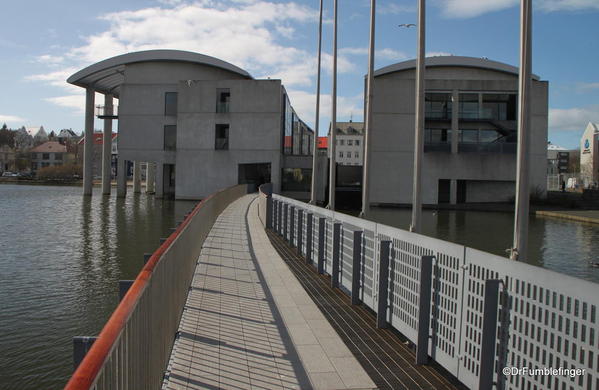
column 170, row 103
column 437, row 105
column 297, row 136
column 296, row 179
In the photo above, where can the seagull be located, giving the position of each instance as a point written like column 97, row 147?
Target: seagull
column 407, row 25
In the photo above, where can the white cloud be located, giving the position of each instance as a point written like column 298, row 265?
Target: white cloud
column 568, row 5
column 392, row 8
column 473, row 8
column 437, row 54
column 385, row 54
column 11, row 118
column 583, row 87
column 49, row 59
column 75, row 102
column 574, row 119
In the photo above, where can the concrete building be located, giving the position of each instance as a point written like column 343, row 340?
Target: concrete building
column 350, row 143
column 589, row 155
column 558, row 159
column 470, row 132
column 48, row 154
column 7, row 159
column 205, row 124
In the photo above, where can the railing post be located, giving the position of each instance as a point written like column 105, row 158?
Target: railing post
column 285, row 218
column 81, row 344
column 355, row 270
column 383, row 290
column 336, row 252
column 321, row 247
column 300, row 220
column 291, row 224
column 269, row 212
column 487, row 348
column 309, row 219
column 280, row 219
column 424, row 309
column 124, row 287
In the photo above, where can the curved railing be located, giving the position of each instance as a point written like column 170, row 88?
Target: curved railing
column 133, row 349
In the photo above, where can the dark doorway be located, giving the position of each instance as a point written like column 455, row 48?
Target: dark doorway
column 444, row 191
column 255, row 174
column 461, row 196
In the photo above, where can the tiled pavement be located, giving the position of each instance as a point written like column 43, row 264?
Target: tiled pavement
column 248, row 323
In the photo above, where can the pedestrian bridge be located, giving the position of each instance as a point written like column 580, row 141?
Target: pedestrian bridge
column 260, row 291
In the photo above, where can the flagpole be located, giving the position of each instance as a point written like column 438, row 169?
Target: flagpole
column 419, row 123
column 368, row 118
column 520, row 247
column 316, row 124
column 333, row 139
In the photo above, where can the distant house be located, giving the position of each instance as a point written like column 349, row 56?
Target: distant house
column 557, row 159
column 38, row 133
column 48, row 154
column 7, row 159
column 97, row 152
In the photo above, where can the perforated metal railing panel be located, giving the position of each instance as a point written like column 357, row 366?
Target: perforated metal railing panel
column 383, row 354
column 545, row 319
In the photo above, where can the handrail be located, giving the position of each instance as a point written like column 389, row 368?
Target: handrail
column 86, row 373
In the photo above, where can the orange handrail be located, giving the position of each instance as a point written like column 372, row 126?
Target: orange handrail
column 85, row 375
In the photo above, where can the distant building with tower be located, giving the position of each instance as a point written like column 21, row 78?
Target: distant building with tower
column 589, row 155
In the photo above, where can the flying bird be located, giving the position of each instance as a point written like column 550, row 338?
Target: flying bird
column 407, row 25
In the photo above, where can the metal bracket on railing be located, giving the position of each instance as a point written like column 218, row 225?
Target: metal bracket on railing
column 291, row 224
column 309, row 235
column 357, row 252
column 336, row 254
column 321, row 236
column 489, row 333
column 424, row 308
column 383, row 290
column 300, row 220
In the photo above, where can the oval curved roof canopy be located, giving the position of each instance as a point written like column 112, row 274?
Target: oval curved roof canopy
column 108, row 75
column 453, row 61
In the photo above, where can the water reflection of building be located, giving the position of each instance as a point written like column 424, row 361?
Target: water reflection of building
column 350, row 143
column 205, row 123
column 589, row 154
column 470, row 132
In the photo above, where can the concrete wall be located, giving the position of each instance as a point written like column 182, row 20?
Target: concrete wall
column 254, row 120
column 393, row 136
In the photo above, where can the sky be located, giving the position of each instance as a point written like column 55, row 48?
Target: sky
column 42, row 43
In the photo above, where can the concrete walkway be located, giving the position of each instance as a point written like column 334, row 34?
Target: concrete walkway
column 248, row 323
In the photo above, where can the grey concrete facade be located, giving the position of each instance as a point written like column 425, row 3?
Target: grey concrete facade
column 475, row 172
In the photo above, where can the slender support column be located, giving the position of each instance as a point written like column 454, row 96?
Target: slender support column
column 424, row 309
column 81, row 344
column 107, row 146
column 321, row 244
column 487, row 347
column 136, row 177
column 336, row 255
column 383, row 288
column 88, row 143
column 355, row 271
column 159, row 186
column 368, row 119
column 316, row 122
column 333, row 136
column 520, row 246
column 453, row 191
column 309, row 248
column 124, row 287
column 121, row 177
column 150, row 178
column 419, row 123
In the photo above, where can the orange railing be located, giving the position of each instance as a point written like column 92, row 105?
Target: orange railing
column 133, row 348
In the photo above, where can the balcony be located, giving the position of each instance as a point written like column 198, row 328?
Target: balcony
column 102, row 112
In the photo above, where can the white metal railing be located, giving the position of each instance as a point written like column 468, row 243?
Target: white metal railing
column 102, row 111
column 486, row 312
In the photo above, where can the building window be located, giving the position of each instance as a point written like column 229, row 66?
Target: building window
column 340, row 154
column 170, row 104
column 57, row 156
column 499, row 106
column 340, row 142
column 437, row 105
column 469, row 106
column 221, row 137
column 356, row 154
column 46, row 156
column 170, row 137
column 357, row 142
column 350, row 142
column 223, row 97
